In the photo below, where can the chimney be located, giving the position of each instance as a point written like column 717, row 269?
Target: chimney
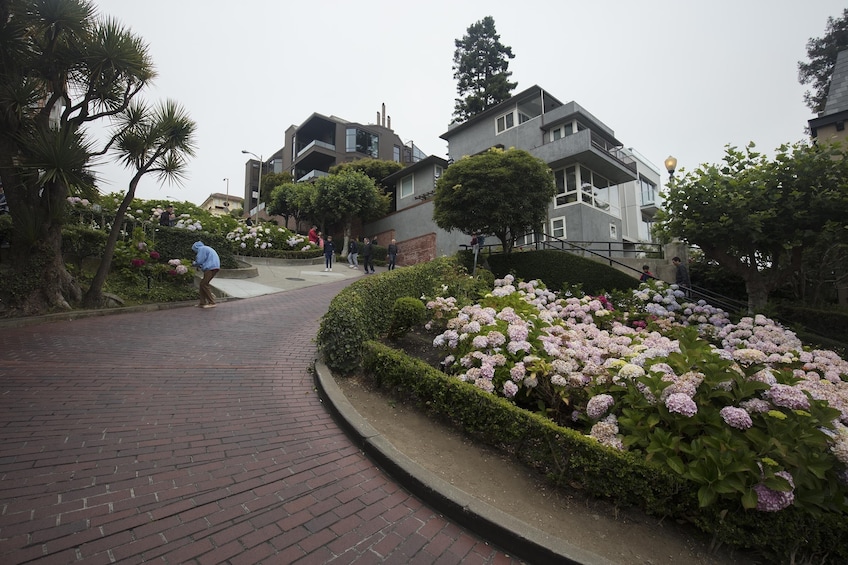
column 389, row 122
column 384, row 115
column 378, row 118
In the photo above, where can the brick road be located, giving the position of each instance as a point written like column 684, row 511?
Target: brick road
column 195, row 436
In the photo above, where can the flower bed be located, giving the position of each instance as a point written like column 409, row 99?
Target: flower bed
column 644, row 398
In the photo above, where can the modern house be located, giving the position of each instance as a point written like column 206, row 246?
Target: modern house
column 321, row 142
column 606, row 194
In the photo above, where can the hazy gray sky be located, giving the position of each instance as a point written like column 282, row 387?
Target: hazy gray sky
column 669, row 77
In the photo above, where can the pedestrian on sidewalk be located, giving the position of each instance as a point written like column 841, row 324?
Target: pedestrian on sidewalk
column 367, row 256
column 392, row 254
column 329, row 250
column 353, row 254
column 208, row 262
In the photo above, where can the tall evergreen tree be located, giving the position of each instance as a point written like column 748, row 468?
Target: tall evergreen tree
column 822, row 52
column 480, row 65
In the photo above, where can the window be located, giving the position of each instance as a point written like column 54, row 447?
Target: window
column 505, row 122
column 361, row 141
column 566, row 184
column 528, row 239
column 558, row 227
column 396, row 154
column 649, row 191
column 613, row 231
column 437, row 173
column 407, row 186
column 556, row 134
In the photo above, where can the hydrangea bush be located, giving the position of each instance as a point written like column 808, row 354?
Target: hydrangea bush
column 261, row 239
column 742, row 409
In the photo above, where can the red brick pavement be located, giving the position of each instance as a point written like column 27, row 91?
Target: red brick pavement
column 195, row 436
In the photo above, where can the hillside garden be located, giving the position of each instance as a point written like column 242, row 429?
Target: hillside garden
column 637, row 395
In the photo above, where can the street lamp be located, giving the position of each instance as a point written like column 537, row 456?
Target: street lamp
column 670, row 166
column 227, row 201
column 258, row 184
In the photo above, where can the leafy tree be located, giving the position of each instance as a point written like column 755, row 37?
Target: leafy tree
column 822, row 52
column 61, row 68
column 377, row 169
column 756, row 217
column 480, row 65
column 505, row 193
column 148, row 142
column 346, row 196
column 270, row 181
column 300, row 198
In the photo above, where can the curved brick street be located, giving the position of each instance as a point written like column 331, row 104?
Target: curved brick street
column 195, row 436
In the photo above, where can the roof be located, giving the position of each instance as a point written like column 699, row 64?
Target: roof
column 429, row 161
column 532, row 91
column 837, row 94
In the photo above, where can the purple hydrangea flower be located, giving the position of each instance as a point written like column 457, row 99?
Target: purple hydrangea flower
column 788, row 397
column 769, row 500
column 736, row 417
column 599, row 405
column 681, row 404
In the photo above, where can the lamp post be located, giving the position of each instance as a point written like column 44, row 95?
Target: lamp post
column 670, row 166
column 227, row 201
column 258, row 184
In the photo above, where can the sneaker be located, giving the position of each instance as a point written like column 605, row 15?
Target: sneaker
column 209, row 305
column 331, row 269
column 325, row 270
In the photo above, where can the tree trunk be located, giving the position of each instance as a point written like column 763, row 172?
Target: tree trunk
column 39, row 279
column 94, row 296
column 757, row 295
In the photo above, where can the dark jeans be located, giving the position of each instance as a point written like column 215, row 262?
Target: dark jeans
column 368, row 263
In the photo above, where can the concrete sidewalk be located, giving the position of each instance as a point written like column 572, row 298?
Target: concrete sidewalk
column 279, row 275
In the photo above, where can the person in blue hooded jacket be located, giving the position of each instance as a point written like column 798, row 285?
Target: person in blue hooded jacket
column 208, row 261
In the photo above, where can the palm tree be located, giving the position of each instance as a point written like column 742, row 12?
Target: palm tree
column 148, row 141
column 61, row 68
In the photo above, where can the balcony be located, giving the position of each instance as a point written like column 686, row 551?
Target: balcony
column 316, row 143
column 313, row 174
column 590, row 149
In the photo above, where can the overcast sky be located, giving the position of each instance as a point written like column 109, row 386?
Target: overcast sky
column 669, row 77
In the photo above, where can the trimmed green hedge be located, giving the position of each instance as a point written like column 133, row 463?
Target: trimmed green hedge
column 176, row 243
column 363, row 310
column 557, row 269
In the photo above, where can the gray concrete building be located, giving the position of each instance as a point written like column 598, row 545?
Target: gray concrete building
column 606, row 196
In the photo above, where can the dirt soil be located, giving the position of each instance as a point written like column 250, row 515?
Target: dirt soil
column 622, row 536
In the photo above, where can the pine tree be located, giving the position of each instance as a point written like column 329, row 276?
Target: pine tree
column 481, row 64
column 822, row 52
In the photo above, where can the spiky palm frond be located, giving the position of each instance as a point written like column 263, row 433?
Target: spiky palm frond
column 61, row 157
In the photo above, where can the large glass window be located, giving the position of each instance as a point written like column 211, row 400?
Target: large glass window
column 566, row 185
column 396, row 154
column 407, row 187
column 649, row 191
column 361, row 141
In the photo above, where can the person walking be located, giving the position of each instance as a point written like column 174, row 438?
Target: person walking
column 681, row 275
column 353, row 254
column 208, row 261
column 367, row 256
column 329, row 250
column 392, row 254
column 168, row 218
